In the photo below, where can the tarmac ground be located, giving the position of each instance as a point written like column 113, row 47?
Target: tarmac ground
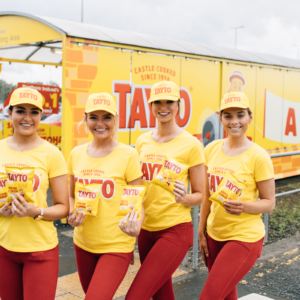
column 276, row 275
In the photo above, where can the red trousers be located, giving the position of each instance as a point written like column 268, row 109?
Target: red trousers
column 161, row 252
column 101, row 274
column 28, row 275
column 228, row 263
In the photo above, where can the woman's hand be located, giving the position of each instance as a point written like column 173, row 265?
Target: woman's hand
column 234, row 207
column 75, row 219
column 179, row 191
column 5, row 210
column 21, row 208
column 132, row 227
column 203, row 247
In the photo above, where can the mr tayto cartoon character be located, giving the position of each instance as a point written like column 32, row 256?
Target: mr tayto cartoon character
column 89, row 209
column 236, row 81
column 21, row 192
column 131, row 206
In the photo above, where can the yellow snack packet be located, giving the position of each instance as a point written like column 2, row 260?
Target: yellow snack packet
column 132, row 198
column 87, row 198
column 229, row 187
column 20, row 180
column 171, row 170
column 3, row 189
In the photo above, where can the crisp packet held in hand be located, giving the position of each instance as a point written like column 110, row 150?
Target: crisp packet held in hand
column 87, row 198
column 132, row 198
column 3, row 189
column 230, row 188
column 171, row 170
column 20, row 181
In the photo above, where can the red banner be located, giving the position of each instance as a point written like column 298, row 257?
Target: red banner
column 50, row 94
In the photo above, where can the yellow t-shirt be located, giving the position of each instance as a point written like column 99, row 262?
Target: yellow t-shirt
column 252, row 166
column 102, row 234
column 161, row 210
column 26, row 234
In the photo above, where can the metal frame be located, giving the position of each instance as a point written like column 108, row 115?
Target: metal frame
column 284, row 154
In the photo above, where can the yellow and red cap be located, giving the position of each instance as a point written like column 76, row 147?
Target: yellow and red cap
column 234, row 99
column 164, row 90
column 26, row 96
column 101, row 101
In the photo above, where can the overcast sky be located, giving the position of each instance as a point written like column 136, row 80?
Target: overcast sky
column 271, row 26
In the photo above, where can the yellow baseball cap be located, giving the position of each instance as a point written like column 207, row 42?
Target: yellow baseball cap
column 234, row 99
column 101, row 101
column 164, row 90
column 26, row 96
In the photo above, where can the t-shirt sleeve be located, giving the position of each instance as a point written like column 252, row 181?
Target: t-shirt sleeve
column 58, row 165
column 196, row 156
column 263, row 167
column 133, row 169
column 70, row 163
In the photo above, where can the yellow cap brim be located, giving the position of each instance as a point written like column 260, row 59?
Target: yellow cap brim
column 25, row 102
column 105, row 109
column 162, row 97
column 244, row 106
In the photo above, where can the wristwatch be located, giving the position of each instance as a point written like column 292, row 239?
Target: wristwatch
column 40, row 216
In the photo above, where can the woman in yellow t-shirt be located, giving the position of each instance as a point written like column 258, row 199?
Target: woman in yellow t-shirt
column 166, row 233
column 104, row 244
column 231, row 236
column 28, row 239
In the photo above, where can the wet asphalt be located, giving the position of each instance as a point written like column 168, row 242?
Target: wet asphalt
column 275, row 275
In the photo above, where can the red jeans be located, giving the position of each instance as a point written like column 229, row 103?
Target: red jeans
column 28, row 275
column 228, row 263
column 101, row 273
column 161, row 252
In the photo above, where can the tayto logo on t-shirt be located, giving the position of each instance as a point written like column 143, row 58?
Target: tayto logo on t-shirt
column 176, row 169
column 3, row 182
column 131, row 192
column 150, row 169
column 214, row 181
column 87, row 195
column 232, row 187
column 108, row 185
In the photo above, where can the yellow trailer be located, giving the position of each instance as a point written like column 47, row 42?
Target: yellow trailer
column 126, row 64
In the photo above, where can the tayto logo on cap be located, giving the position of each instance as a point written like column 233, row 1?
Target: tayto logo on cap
column 131, row 192
column 101, row 101
column 163, row 90
column 232, row 99
column 28, row 95
column 89, row 195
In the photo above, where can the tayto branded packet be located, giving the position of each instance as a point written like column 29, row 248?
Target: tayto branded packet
column 87, row 198
column 229, row 187
column 171, row 170
column 132, row 198
column 20, row 180
column 3, row 189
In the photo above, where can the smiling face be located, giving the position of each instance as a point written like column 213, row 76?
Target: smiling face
column 235, row 121
column 101, row 124
column 165, row 110
column 25, row 118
